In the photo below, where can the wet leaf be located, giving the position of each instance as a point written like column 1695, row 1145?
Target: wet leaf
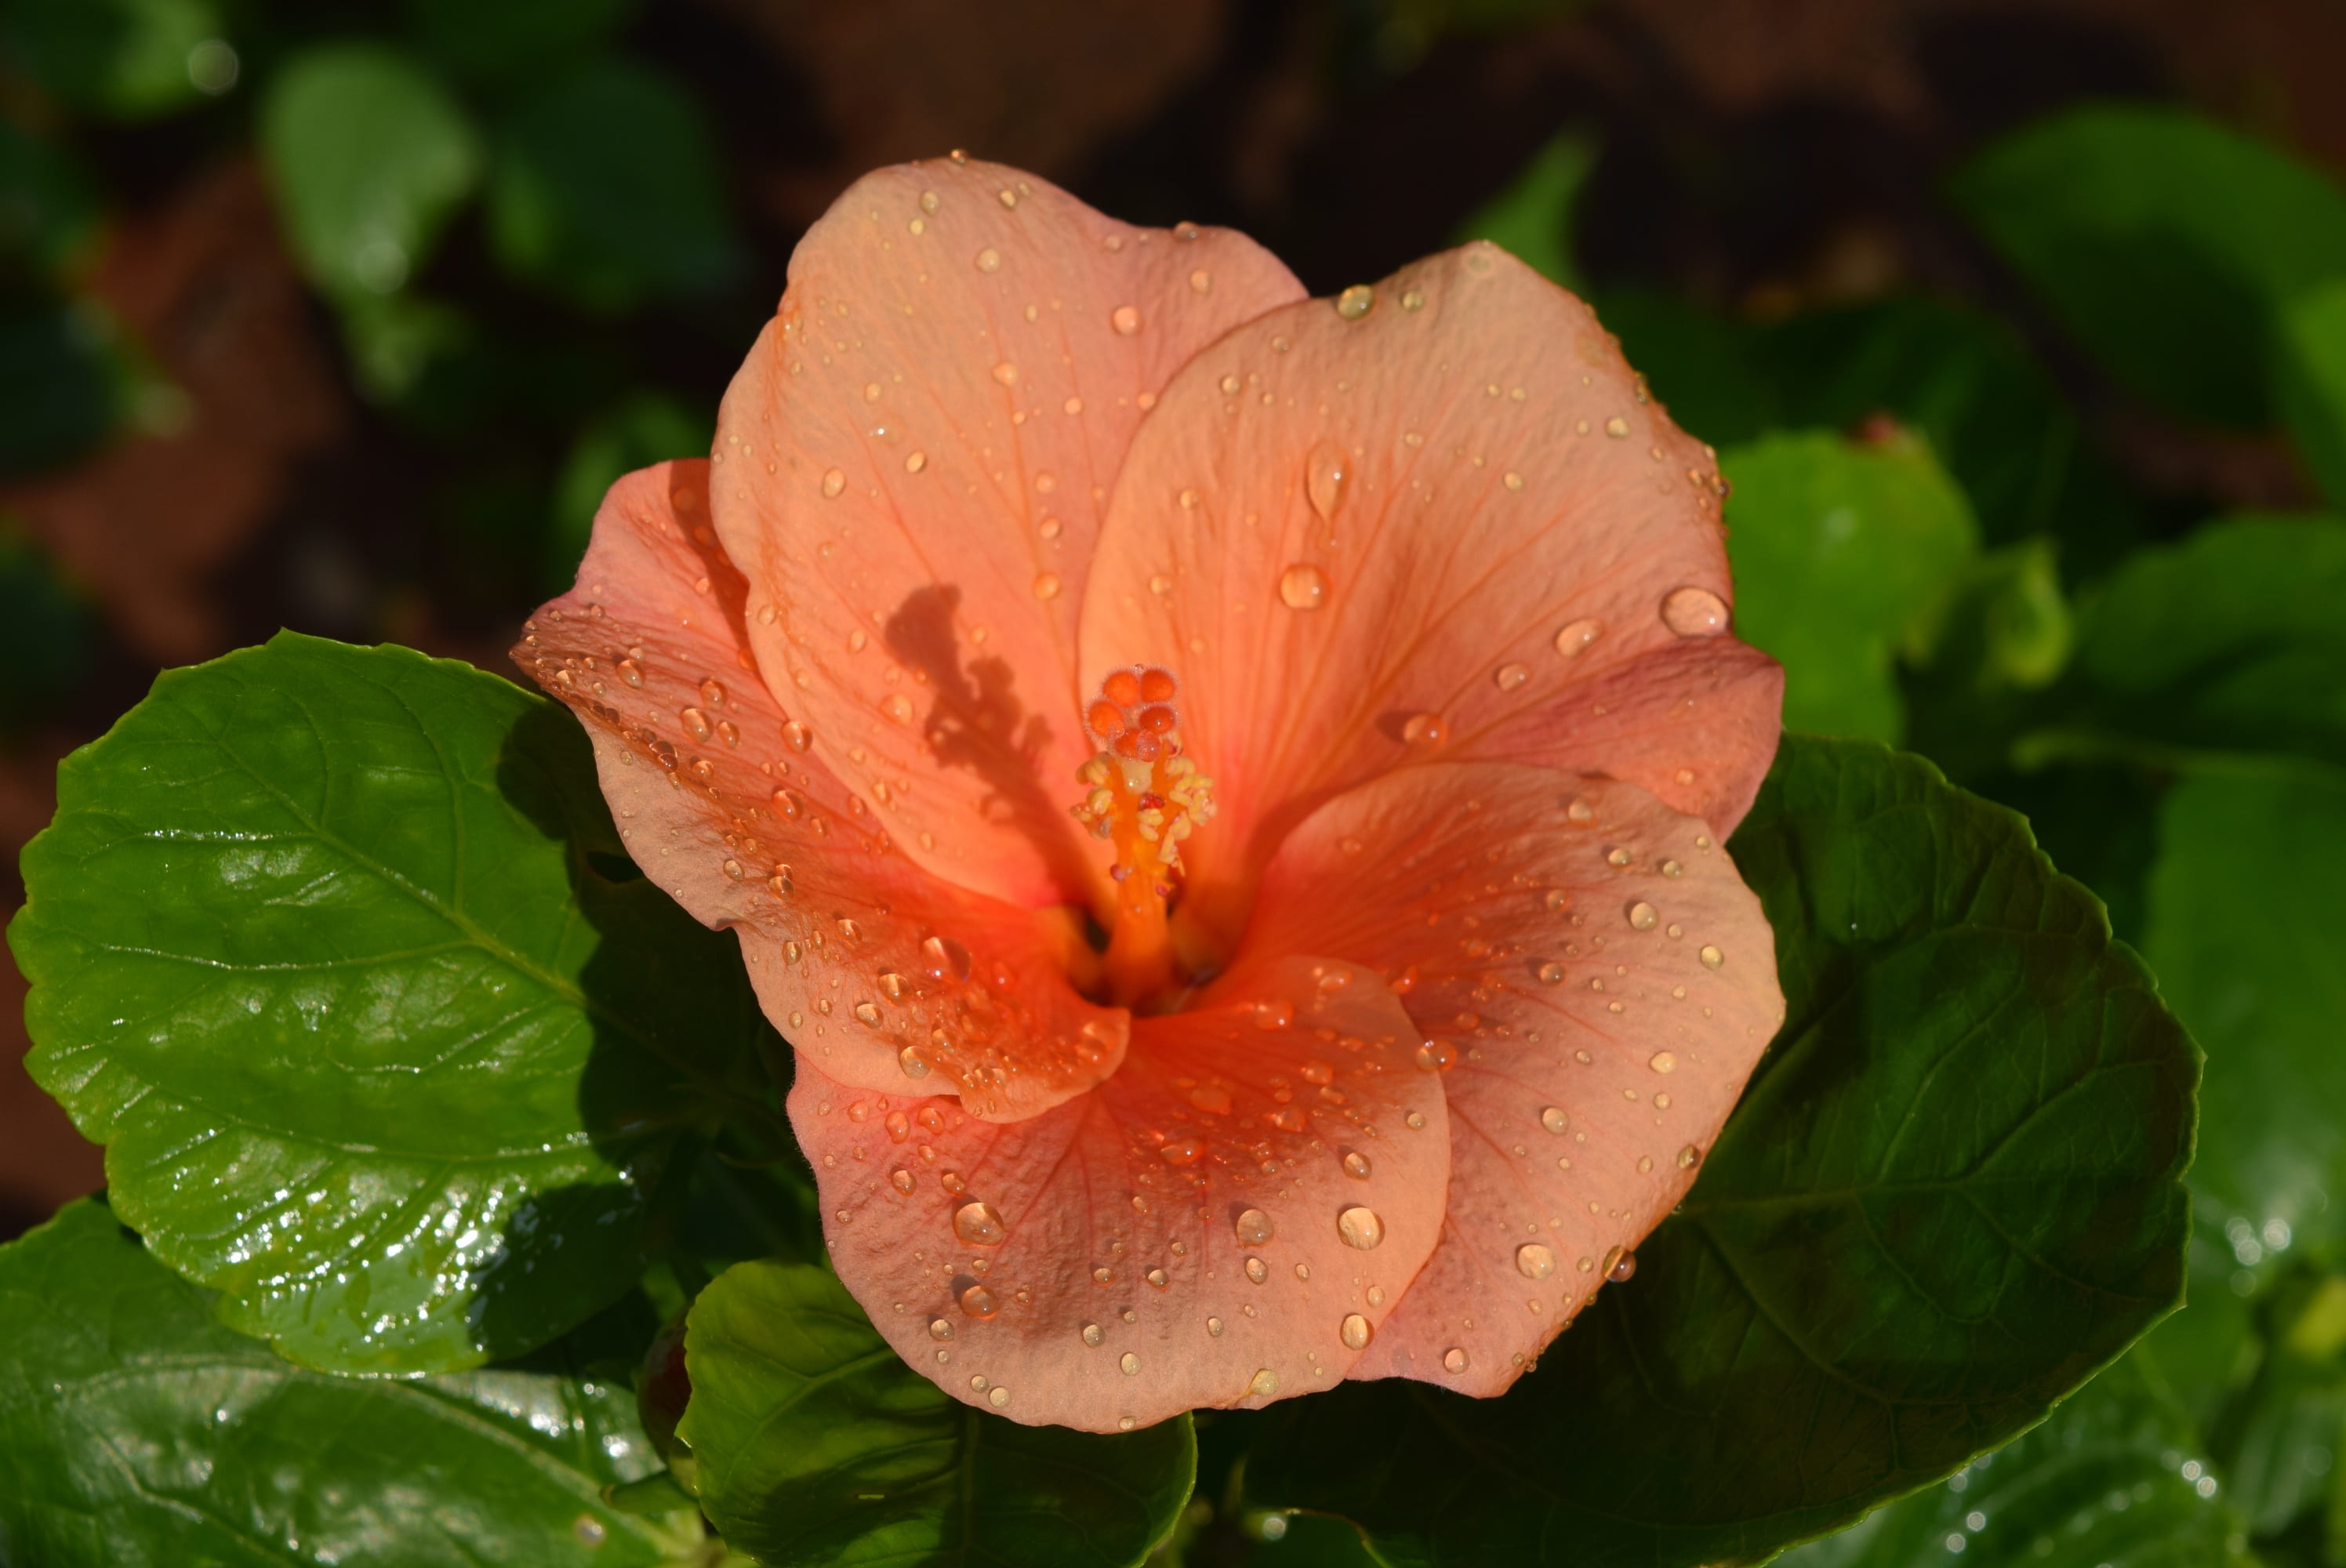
column 2247, row 899
column 138, row 1432
column 608, row 190
column 1841, row 549
column 2166, row 244
column 2115, row 1479
column 320, row 949
column 369, row 156
column 814, row 1443
column 1951, row 1194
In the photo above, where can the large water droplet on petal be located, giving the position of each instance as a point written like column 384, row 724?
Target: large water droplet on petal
column 1324, row 473
column 1534, row 1261
column 1257, row 1269
column 1695, row 613
column 1553, row 1118
column 1354, row 1332
column 1264, row 1383
column 1576, row 636
column 1131, row 1363
column 978, row 1225
column 1711, row 957
column 979, row 1302
column 1302, row 586
column 1125, row 320
column 1356, row 301
column 1360, row 1227
column 1356, row 1164
column 1253, row 1227
column 1454, row 1360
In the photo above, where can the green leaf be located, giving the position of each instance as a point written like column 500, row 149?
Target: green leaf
column 48, row 213
column 64, row 386
column 2247, row 902
column 814, row 1443
column 608, row 190
column 2226, row 652
column 2311, row 383
column 324, row 946
column 646, row 427
column 369, row 156
column 136, row 1432
column 123, row 59
column 2166, row 245
column 1532, row 219
column 2113, row 1479
column 1952, row 1192
column 1701, row 367
column 1841, row 550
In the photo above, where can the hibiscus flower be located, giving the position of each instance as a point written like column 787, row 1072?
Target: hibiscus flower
column 1224, row 793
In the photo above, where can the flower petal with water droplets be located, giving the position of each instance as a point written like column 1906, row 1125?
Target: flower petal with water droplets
column 1105, row 1196
column 971, row 388
column 1482, row 511
column 1573, row 1101
column 843, row 935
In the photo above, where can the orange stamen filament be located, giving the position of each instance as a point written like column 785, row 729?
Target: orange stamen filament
column 1144, row 797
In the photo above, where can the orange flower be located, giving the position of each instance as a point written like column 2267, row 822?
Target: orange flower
column 1223, row 792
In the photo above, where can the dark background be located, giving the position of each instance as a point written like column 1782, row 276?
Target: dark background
column 217, row 462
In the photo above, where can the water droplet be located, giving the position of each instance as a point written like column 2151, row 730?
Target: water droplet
column 1513, row 480
column 1356, row 1164
column 1274, row 1013
column 1360, row 1227
column 1644, row 916
column 1094, row 1333
column 797, row 735
column 1424, row 731
column 695, row 722
column 1711, row 957
column 1436, row 1056
column 1257, row 1269
column 1454, row 1360
column 997, row 1396
column 1580, row 810
column 940, row 1329
column 1412, row 299
column 1619, row 855
column 1534, row 1261
column 989, row 259
column 1355, row 301
column 978, row 1302
column 1302, row 586
column 1324, row 473
column 1416, row 1120
column 1253, row 1227
column 1046, row 585
column 1672, row 869
column 978, row 1225
column 868, row 1014
column 909, row 1059
column 834, row 482
column 1125, row 320
column 1214, row 1327
column 1354, row 1332
column 1688, row 1158
column 1621, row 1265
column 1181, row 1150
column 1663, row 1062
column 1510, row 675
column 1131, row 1363
column 1553, row 1118
column 1693, row 613
column 1264, row 1383
column 1551, row 974
column 1007, row 374
column 631, row 672
column 1616, row 427
column 1576, row 636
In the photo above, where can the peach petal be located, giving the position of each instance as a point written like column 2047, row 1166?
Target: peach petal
column 1605, row 983
column 1115, row 1241
column 913, row 465
column 1421, row 532
column 857, row 957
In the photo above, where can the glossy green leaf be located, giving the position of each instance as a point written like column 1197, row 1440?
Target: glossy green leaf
column 123, row 59
column 608, row 190
column 2311, row 383
column 323, row 947
column 1532, row 219
column 138, row 1432
column 1952, row 1192
column 2227, row 652
column 815, row 1444
column 2248, row 903
column 2117, row 1478
column 369, row 158
column 1841, row 550
column 2166, row 244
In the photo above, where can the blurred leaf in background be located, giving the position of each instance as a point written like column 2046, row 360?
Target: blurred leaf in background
column 1841, row 550
column 505, row 40
column 1532, row 219
column 608, row 190
column 2169, row 247
column 117, row 59
column 2311, row 383
column 647, row 426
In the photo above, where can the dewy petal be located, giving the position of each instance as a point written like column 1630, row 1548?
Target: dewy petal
column 883, row 975
column 1229, row 1219
column 912, row 466
column 1455, row 514
column 1605, row 982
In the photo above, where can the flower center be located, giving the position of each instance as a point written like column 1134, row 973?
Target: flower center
column 1143, row 795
